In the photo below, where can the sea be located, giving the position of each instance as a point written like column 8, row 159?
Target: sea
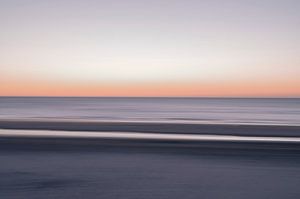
column 266, row 111
column 36, row 167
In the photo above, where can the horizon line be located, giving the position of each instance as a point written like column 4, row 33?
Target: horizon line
column 95, row 96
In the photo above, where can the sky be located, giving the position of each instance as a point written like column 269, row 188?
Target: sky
column 209, row 48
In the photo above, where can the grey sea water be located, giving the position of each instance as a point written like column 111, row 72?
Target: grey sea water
column 270, row 111
column 88, row 168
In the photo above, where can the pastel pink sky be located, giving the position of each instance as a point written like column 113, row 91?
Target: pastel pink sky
column 150, row 48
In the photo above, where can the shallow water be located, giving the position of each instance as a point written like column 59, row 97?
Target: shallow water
column 128, row 172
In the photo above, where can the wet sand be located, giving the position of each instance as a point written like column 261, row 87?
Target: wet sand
column 37, row 167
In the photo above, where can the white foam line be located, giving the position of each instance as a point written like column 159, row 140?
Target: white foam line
column 143, row 136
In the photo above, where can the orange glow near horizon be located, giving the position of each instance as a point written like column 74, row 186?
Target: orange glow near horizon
column 192, row 89
column 150, row 48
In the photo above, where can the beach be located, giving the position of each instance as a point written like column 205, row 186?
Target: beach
column 139, row 99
